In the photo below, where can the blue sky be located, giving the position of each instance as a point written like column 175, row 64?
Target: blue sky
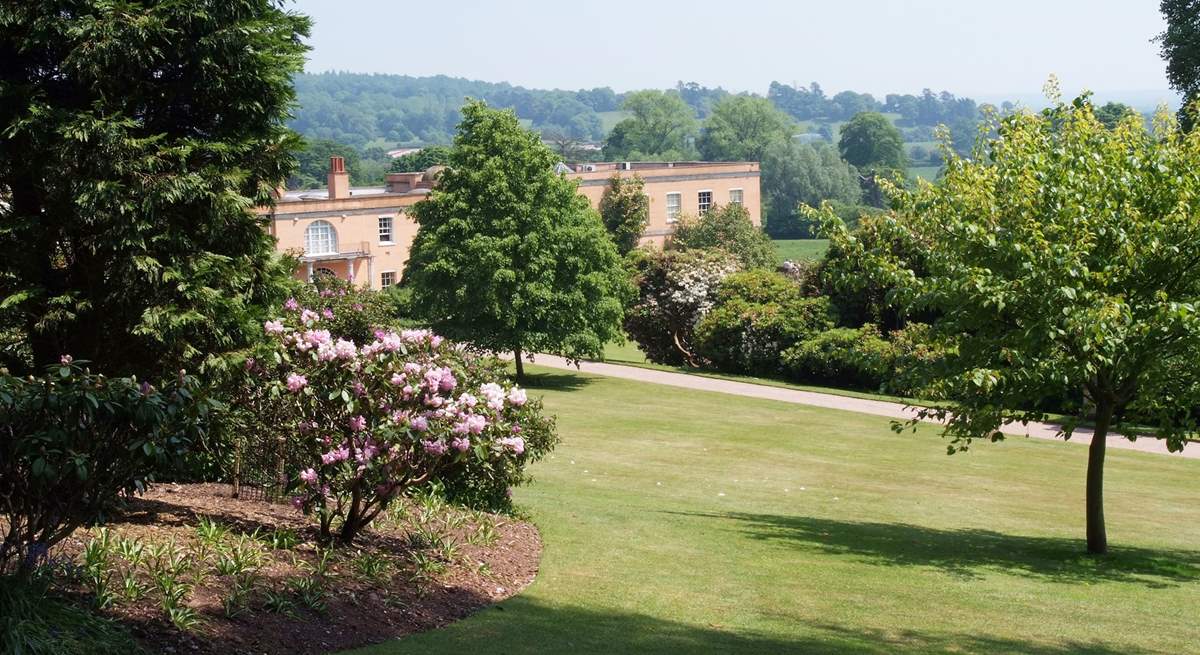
column 969, row 47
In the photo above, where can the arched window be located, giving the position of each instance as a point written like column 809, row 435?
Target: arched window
column 320, row 239
column 324, row 272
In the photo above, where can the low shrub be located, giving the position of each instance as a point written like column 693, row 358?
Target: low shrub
column 726, row 228
column 71, row 442
column 915, row 356
column 858, row 358
column 362, row 424
column 758, row 314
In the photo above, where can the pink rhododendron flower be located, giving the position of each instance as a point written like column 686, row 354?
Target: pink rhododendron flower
column 420, row 424
column 327, row 313
column 397, row 379
column 517, row 396
column 291, row 305
column 476, row 423
column 334, row 456
column 309, row 476
column 298, row 502
column 461, row 444
column 434, row 447
column 345, row 349
column 296, row 382
column 66, row 359
column 515, row 444
column 273, row 327
column 358, row 423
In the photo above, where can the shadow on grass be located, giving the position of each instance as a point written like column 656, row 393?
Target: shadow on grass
column 555, row 381
column 970, row 552
column 523, row 626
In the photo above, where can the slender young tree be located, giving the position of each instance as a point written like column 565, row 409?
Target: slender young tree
column 509, row 256
column 135, row 139
column 1061, row 263
column 625, row 208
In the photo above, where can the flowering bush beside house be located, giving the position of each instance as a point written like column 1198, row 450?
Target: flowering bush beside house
column 364, row 422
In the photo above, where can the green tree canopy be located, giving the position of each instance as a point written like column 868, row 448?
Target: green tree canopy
column 662, row 126
column 1061, row 264
column 1181, row 49
column 625, row 208
column 742, row 128
column 135, row 139
column 421, row 160
column 795, row 173
column 871, row 142
column 509, row 256
column 312, row 163
column 727, row 228
column 1111, row 113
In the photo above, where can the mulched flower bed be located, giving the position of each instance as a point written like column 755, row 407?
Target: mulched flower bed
column 421, row 567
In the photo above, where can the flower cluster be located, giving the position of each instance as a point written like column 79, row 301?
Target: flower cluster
column 374, row 419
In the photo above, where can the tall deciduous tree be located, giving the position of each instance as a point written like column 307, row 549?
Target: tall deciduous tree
column 870, row 141
column 509, row 256
column 135, row 139
column 1060, row 262
column 1181, row 49
column 662, row 126
column 741, row 128
column 795, row 173
column 625, row 208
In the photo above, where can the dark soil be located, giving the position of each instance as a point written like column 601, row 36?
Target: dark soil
column 358, row 610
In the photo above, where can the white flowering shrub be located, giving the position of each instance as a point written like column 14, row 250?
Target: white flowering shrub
column 676, row 289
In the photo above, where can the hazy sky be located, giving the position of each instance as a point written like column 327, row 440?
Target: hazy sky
column 968, row 47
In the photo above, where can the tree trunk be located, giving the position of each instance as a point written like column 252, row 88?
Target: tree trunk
column 1097, row 540
column 520, row 364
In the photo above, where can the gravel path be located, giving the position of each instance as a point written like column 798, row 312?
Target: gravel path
column 861, row 405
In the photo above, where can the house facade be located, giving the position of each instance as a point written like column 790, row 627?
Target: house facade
column 364, row 234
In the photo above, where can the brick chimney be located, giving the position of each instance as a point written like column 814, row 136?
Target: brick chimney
column 339, row 179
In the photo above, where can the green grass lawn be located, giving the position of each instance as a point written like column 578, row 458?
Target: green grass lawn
column 800, row 249
column 609, row 119
column 930, row 173
column 691, row 522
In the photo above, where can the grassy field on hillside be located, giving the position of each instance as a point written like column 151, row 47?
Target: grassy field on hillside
column 798, row 249
column 608, row 119
column 688, row 522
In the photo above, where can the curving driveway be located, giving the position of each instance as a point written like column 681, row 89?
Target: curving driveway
column 861, row 405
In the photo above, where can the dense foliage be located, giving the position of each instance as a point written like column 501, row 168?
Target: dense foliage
column 362, row 110
column 797, row 173
column 373, row 420
column 421, row 160
column 675, row 291
column 870, row 141
column 73, row 441
column 1181, row 49
column 661, row 127
column 1059, row 263
column 726, row 228
column 509, row 256
column 134, row 138
column 625, row 210
column 845, row 357
column 756, row 316
column 742, row 128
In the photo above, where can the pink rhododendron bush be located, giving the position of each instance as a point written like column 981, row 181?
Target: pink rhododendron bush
column 364, row 422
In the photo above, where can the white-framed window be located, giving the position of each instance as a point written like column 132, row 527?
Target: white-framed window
column 387, row 279
column 385, row 229
column 735, row 196
column 674, row 206
column 703, row 201
column 320, row 239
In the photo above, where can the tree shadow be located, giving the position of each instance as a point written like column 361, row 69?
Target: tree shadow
column 555, row 381
column 969, row 552
column 524, row 626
